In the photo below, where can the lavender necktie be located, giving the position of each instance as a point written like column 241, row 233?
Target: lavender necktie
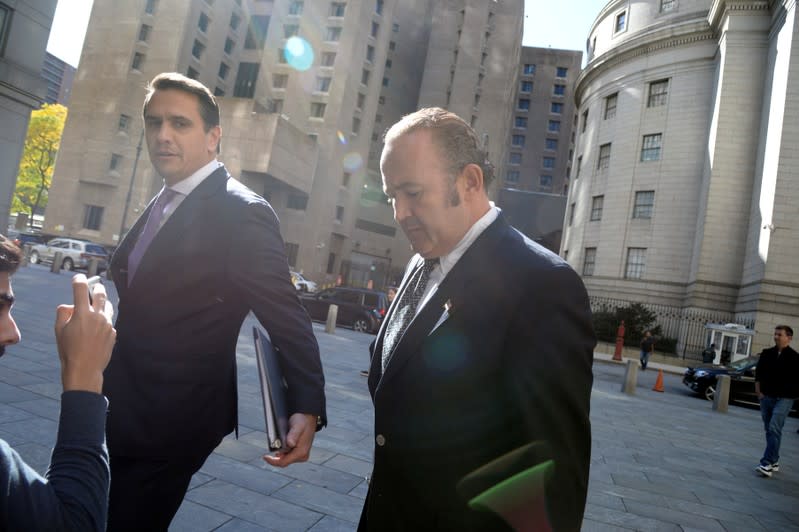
column 406, row 308
column 150, row 229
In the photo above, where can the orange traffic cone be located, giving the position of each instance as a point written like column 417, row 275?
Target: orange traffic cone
column 659, row 383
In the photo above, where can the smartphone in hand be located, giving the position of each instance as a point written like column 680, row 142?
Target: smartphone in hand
column 91, row 282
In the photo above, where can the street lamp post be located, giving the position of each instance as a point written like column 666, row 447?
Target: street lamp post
column 130, row 187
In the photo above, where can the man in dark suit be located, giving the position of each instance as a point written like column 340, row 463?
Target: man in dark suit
column 205, row 252
column 487, row 348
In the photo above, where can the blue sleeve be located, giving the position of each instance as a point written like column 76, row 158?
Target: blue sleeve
column 73, row 494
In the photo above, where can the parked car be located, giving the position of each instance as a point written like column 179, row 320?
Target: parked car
column 20, row 238
column 703, row 381
column 74, row 253
column 301, row 283
column 359, row 308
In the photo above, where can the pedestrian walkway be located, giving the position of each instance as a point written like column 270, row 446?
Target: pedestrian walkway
column 660, row 461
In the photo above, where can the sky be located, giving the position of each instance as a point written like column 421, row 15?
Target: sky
column 565, row 27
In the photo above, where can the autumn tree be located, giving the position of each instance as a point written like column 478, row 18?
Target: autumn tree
column 38, row 159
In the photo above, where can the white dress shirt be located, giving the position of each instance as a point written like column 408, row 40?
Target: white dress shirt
column 184, row 187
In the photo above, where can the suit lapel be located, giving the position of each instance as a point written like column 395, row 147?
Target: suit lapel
column 467, row 270
column 119, row 261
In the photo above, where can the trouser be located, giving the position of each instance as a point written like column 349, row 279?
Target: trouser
column 773, row 410
column 644, row 358
column 147, row 492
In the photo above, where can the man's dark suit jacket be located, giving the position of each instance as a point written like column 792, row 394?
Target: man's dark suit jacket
column 510, row 365
column 171, row 382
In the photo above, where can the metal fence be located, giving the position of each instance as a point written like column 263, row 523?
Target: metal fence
column 686, row 325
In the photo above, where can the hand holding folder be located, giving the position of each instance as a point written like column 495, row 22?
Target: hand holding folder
column 273, row 392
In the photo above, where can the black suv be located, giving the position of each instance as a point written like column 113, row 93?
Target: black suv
column 359, row 308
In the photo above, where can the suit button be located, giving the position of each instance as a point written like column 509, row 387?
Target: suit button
column 380, row 440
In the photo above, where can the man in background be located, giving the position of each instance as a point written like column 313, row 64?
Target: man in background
column 486, row 349
column 73, row 494
column 205, row 252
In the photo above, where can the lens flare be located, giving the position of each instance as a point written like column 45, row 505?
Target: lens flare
column 341, row 138
column 352, row 161
column 298, row 53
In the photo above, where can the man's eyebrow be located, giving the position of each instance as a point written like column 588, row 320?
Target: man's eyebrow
column 7, row 298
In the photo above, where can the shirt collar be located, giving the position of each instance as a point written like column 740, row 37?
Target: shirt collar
column 185, row 186
column 448, row 261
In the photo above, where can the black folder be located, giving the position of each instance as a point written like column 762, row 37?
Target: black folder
column 273, row 391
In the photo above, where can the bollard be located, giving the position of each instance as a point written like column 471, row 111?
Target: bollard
column 630, row 378
column 26, row 253
column 332, row 314
column 93, row 265
column 722, row 396
column 619, row 342
column 55, row 267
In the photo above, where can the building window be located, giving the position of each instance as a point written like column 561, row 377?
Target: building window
column 610, row 105
column 392, row 45
column 370, row 53
column 345, row 179
column 223, row 70
column 556, row 108
column 93, row 217
column 365, row 77
column 395, row 27
column 545, row 182
column 331, row 263
column 256, row 32
column 520, row 122
column 328, row 59
column 667, row 5
column 621, row 22
column 559, row 90
column 524, row 104
column 548, row 162
column 644, row 204
column 517, row 140
column 144, row 33
column 585, row 121
column 198, row 49
column 512, row 176
column 235, row 20
column 333, row 33
column 279, row 81
column 650, row 149
column 149, row 7
column 337, row 9
column 572, row 208
column 281, row 56
column 579, row 166
column 388, row 63
column 290, row 30
column 360, row 101
column 529, row 69
column 515, row 158
column 597, row 203
column 526, row 86
column 298, row 202
column 589, row 260
column 379, row 7
column 245, row 80
column 385, row 81
column 561, row 72
column 553, row 126
column 603, row 161
column 551, row 144
column 229, row 45
column 218, row 92
column 276, row 106
column 476, row 100
column 138, row 61
column 658, row 93
column 192, row 73
column 116, row 159
column 375, row 29
column 292, row 250
column 318, row 109
column 124, row 121
column 636, row 263
column 323, row 83
column 295, row 8
column 356, row 125
column 203, row 22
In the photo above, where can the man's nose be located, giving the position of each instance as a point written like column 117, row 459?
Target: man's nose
column 9, row 333
column 401, row 210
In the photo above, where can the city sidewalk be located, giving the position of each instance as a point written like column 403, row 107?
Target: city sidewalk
column 660, row 461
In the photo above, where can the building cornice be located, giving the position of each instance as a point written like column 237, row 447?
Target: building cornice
column 720, row 8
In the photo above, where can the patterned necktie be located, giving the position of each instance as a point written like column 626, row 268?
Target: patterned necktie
column 150, row 229
column 406, row 308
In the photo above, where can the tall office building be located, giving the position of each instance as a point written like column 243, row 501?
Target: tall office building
column 24, row 30
column 683, row 194
column 305, row 90
column 59, row 76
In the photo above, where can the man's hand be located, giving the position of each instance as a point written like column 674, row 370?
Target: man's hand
column 85, row 337
column 302, row 428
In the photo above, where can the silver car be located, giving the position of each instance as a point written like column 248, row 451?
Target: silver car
column 74, row 253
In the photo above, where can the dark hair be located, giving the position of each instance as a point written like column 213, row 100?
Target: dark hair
column 785, row 328
column 209, row 110
column 10, row 256
column 456, row 139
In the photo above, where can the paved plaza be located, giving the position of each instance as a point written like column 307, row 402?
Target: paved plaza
column 661, row 461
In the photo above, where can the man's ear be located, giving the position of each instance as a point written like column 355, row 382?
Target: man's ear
column 214, row 136
column 472, row 176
